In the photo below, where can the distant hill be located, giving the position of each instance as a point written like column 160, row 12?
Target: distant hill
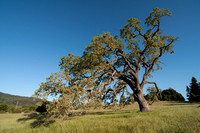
column 19, row 100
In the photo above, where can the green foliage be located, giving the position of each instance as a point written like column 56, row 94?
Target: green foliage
column 16, row 109
column 193, row 91
column 32, row 108
column 152, row 95
column 171, row 95
column 108, row 65
column 17, row 104
column 4, row 107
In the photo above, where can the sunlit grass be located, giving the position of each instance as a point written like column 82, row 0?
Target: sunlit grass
column 9, row 121
column 165, row 117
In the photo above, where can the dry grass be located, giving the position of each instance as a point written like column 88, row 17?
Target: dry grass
column 165, row 117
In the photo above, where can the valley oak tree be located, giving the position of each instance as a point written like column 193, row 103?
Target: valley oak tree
column 109, row 65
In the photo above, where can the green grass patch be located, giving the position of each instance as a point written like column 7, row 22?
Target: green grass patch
column 165, row 117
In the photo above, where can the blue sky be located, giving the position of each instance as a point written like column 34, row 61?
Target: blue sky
column 34, row 34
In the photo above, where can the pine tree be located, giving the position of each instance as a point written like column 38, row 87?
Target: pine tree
column 193, row 91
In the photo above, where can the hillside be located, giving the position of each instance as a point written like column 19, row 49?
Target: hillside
column 20, row 100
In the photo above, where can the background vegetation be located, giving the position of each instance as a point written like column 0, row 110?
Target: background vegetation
column 20, row 100
column 171, row 95
column 17, row 104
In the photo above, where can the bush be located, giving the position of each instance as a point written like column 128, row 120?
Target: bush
column 32, row 108
column 43, row 107
column 171, row 95
column 3, row 107
column 17, row 110
column 152, row 96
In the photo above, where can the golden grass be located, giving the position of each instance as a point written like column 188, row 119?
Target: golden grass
column 165, row 117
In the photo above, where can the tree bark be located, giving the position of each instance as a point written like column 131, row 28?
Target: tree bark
column 142, row 102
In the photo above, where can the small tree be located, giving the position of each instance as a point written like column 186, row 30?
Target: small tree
column 152, row 95
column 111, row 63
column 4, row 107
column 193, row 91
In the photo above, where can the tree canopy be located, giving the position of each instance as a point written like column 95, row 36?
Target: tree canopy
column 111, row 63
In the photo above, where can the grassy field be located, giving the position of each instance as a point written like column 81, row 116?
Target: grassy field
column 165, row 117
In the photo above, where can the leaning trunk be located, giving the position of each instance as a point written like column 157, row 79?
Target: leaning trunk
column 142, row 102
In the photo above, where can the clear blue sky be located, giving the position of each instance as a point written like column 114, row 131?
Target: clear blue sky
column 34, row 34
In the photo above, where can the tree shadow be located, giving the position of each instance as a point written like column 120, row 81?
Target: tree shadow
column 177, row 103
column 39, row 120
column 100, row 113
column 108, row 112
column 43, row 119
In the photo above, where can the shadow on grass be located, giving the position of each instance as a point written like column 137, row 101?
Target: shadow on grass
column 42, row 119
column 39, row 120
column 108, row 112
column 178, row 103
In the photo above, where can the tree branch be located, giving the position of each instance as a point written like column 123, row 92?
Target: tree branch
column 158, row 29
column 161, row 53
column 142, row 35
column 129, row 82
column 125, row 59
column 148, row 82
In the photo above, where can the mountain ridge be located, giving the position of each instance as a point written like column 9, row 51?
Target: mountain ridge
column 10, row 99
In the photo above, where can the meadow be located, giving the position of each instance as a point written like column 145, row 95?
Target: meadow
column 165, row 117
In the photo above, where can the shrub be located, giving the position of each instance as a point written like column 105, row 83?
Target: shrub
column 3, row 107
column 43, row 107
column 171, row 95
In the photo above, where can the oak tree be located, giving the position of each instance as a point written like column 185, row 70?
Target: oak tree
column 111, row 65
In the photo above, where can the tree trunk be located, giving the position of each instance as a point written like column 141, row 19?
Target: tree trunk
column 143, row 104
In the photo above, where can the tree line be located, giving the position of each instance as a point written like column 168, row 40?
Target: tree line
column 193, row 93
column 17, row 109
